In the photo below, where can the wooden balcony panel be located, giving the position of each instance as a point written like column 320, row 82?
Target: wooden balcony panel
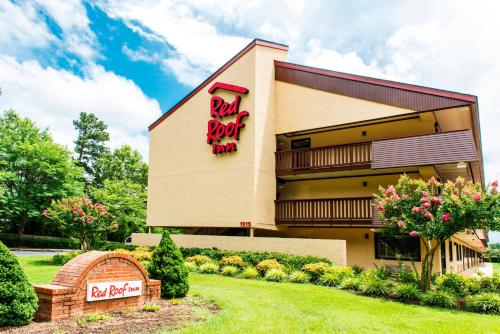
column 349, row 212
column 323, row 159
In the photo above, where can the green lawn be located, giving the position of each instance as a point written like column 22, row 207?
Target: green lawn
column 496, row 268
column 38, row 268
column 250, row 306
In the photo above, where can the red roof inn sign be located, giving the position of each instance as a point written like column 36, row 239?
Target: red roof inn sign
column 113, row 290
column 220, row 109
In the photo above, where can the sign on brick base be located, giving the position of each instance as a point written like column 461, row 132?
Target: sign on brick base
column 96, row 281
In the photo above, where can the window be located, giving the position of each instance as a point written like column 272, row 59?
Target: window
column 407, row 248
column 457, row 255
column 301, row 143
column 450, row 250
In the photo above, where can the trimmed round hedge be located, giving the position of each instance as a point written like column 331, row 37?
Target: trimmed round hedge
column 18, row 301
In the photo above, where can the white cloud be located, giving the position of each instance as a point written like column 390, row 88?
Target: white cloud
column 71, row 16
column 140, row 54
column 22, row 29
column 54, row 98
column 199, row 48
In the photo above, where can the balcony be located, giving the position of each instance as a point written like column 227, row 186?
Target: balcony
column 422, row 150
column 324, row 159
column 335, row 212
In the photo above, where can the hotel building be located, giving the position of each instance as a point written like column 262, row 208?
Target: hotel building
column 264, row 148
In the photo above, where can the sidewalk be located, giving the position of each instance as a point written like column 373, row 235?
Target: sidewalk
column 486, row 268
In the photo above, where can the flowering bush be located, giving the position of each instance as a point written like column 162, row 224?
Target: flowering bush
column 199, row 259
column 275, row 275
column 266, row 265
column 299, row 277
column 316, row 269
column 434, row 212
column 234, row 260
column 229, row 270
column 81, row 219
column 250, row 273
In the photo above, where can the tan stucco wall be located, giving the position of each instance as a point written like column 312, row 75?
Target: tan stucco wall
column 336, row 188
column 301, row 108
column 420, row 125
column 190, row 186
column 334, row 250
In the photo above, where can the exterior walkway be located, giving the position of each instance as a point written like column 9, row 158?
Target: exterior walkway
column 486, row 268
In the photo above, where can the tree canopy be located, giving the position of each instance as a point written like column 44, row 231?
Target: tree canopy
column 33, row 171
column 434, row 212
column 90, row 143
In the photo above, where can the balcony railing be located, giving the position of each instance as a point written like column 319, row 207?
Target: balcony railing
column 349, row 212
column 321, row 159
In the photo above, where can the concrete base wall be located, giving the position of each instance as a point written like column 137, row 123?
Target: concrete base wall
column 332, row 249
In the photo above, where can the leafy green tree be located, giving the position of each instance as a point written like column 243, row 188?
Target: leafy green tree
column 126, row 203
column 81, row 219
column 18, row 301
column 124, row 163
column 34, row 171
column 434, row 212
column 167, row 265
column 90, row 143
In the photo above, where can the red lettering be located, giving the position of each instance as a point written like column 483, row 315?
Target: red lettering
column 95, row 290
column 212, row 128
column 216, row 130
column 215, row 104
column 239, row 124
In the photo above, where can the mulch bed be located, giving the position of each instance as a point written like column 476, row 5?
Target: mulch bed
column 172, row 314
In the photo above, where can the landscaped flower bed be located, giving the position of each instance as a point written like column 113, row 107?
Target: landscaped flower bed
column 448, row 291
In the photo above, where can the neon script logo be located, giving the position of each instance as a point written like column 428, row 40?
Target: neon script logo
column 220, row 109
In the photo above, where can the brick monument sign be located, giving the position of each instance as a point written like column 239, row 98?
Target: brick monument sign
column 96, row 281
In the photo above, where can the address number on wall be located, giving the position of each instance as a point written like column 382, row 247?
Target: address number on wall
column 245, row 224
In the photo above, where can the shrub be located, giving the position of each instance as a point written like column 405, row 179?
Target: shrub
column 199, row 259
column 490, row 284
column 229, row 270
column 375, row 286
column 299, row 277
column 267, row 265
column 233, row 260
column 150, row 308
column 61, row 259
column 453, row 283
column 439, row 298
column 335, row 276
column 167, row 265
column 351, row 283
column 290, row 262
column 473, row 285
column 139, row 253
column 381, row 271
column 18, row 301
column 406, row 277
column 484, row 303
column 190, row 266
column 275, row 275
column 357, row 269
column 316, row 269
column 38, row 241
column 111, row 246
column 407, row 292
column 250, row 273
column 208, row 268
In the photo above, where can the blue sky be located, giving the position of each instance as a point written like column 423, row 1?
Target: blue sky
column 128, row 61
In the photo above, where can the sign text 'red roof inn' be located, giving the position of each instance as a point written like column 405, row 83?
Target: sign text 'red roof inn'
column 220, row 109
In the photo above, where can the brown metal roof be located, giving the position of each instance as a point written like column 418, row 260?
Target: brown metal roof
column 433, row 149
column 381, row 91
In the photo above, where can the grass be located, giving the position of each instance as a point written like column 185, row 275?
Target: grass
column 250, row 306
column 39, row 268
column 496, row 268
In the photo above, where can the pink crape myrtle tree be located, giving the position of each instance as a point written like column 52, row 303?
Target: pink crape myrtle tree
column 81, row 219
column 434, row 212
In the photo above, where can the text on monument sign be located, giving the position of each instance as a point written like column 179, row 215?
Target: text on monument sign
column 113, row 290
column 220, row 109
